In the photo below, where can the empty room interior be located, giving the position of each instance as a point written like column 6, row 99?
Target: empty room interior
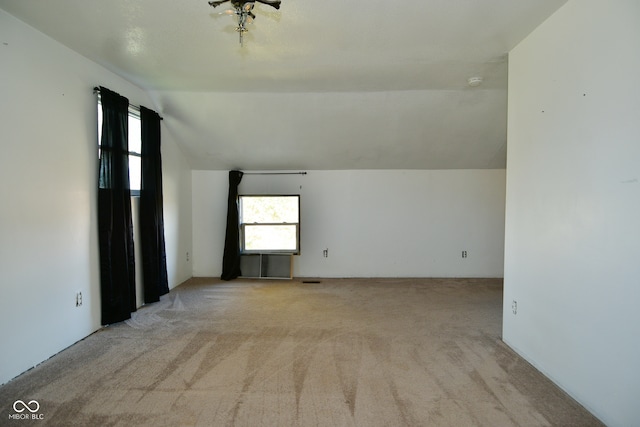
column 461, row 238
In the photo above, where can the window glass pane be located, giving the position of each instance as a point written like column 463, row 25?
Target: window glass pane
column 135, row 146
column 276, row 209
column 99, row 127
column 135, row 135
column 270, row 237
column 135, row 169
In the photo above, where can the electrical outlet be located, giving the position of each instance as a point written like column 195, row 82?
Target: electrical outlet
column 187, row 256
column 514, row 307
column 78, row 299
column 464, row 254
column 325, row 253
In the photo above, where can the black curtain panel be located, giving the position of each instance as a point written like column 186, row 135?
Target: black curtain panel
column 154, row 256
column 115, row 228
column 231, row 256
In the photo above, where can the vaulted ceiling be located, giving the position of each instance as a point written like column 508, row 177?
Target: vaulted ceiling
column 318, row 84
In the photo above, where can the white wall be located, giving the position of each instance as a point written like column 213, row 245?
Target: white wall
column 176, row 191
column 210, row 190
column 48, row 171
column 573, row 204
column 393, row 223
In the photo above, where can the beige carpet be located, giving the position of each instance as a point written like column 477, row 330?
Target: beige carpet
column 419, row 352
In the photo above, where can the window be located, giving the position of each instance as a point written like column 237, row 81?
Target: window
column 270, row 224
column 135, row 148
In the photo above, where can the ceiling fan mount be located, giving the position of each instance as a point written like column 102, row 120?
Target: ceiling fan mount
column 243, row 11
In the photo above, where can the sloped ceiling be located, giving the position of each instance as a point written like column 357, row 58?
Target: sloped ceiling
column 317, row 85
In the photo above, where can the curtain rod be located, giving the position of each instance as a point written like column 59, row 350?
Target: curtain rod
column 274, row 173
column 133, row 107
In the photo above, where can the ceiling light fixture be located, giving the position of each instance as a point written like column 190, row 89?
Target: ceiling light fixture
column 243, row 11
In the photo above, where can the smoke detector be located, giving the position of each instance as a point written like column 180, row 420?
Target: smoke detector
column 474, row 81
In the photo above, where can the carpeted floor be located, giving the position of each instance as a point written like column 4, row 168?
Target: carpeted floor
column 405, row 352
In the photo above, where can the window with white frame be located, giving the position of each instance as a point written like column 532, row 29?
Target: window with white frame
column 269, row 223
column 135, row 147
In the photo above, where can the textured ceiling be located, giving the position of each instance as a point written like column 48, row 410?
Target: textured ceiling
column 317, row 85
